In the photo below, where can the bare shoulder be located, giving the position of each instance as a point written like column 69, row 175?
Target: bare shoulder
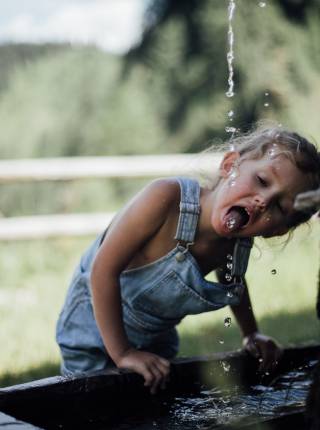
column 165, row 191
column 139, row 222
column 152, row 205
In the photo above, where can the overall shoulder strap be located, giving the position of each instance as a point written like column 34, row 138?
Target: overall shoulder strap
column 189, row 209
column 241, row 254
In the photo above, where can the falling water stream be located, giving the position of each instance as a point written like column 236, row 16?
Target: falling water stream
column 230, row 57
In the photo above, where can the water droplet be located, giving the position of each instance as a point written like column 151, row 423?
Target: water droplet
column 262, row 4
column 231, row 222
column 229, row 294
column 225, row 366
column 232, row 183
column 260, row 360
column 267, row 373
column 227, row 322
column 230, row 114
column 228, row 277
column 221, row 341
column 266, row 104
column 266, row 94
column 273, row 271
column 273, row 150
column 229, row 257
column 230, row 129
column 229, row 266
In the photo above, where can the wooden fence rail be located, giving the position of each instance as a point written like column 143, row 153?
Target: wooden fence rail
column 54, row 169
column 133, row 166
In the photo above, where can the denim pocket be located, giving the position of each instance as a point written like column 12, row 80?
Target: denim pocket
column 171, row 298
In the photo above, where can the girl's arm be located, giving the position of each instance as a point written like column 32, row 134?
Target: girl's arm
column 133, row 228
column 261, row 346
column 244, row 314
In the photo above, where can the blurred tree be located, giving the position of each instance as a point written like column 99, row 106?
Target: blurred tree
column 73, row 103
column 298, row 10
column 13, row 56
column 166, row 95
column 276, row 64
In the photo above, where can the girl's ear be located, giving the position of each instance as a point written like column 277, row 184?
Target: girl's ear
column 229, row 163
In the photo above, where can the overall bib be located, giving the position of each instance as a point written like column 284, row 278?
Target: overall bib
column 155, row 297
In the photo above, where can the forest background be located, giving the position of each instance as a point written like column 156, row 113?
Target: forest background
column 166, row 95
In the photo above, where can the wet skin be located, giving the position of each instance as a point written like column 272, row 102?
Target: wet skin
column 265, row 188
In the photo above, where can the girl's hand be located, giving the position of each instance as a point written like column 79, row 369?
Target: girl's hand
column 266, row 349
column 152, row 367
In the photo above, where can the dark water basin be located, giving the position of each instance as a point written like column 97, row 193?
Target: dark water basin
column 221, row 391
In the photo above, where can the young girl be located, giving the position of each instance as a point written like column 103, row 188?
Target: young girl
column 146, row 272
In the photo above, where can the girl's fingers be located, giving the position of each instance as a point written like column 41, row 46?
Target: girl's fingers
column 253, row 348
column 164, row 362
column 154, row 374
column 164, row 368
column 157, row 378
column 148, row 377
column 270, row 356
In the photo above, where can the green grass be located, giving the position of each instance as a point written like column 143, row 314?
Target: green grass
column 35, row 276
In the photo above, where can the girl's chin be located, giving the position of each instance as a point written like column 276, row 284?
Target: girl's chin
column 222, row 230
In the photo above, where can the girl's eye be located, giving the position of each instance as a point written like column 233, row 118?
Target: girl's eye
column 262, row 181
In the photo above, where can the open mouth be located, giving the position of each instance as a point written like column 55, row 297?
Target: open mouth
column 237, row 217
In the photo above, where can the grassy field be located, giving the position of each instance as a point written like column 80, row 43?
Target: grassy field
column 35, row 277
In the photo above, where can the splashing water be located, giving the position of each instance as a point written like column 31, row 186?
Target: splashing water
column 229, row 266
column 225, row 366
column 229, row 257
column 227, row 322
column 230, row 55
column 233, row 175
column 230, row 129
column 213, row 407
column 231, row 221
column 272, row 152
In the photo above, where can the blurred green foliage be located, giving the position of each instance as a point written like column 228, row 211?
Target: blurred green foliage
column 166, row 95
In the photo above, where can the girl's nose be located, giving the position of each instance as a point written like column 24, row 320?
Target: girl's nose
column 260, row 203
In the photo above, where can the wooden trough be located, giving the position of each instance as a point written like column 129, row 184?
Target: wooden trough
column 103, row 400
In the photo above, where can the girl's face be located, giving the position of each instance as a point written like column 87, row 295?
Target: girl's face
column 256, row 197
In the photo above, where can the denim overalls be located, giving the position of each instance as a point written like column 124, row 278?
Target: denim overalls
column 155, row 297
